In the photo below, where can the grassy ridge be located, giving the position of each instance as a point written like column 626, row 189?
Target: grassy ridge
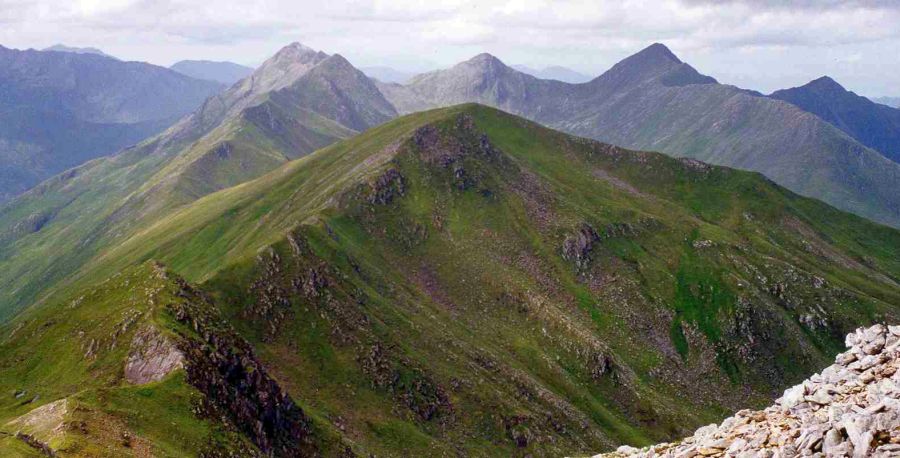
column 465, row 281
column 76, row 350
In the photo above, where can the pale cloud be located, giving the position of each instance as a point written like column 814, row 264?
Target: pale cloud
column 762, row 43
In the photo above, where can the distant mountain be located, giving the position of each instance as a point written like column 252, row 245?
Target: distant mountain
column 483, row 79
column 298, row 101
column 72, row 49
column 889, row 101
column 654, row 101
column 387, row 74
column 61, row 109
column 874, row 125
column 555, row 72
column 226, row 73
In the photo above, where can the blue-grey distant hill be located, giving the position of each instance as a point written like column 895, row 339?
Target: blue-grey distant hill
column 387, row 74
column 889, row 101
column 59, row 109
column 554, row 72
column 223, row 72
column 76, row 50
column 872, row 124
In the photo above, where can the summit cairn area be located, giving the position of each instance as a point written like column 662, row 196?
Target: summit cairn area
column 852, row 408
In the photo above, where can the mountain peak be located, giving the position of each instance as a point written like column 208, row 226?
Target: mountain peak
column 297, row 46
column 484, row 64
column 658, row 52
column 295, row 51
column 485, row 58
column 653, row 61
column 288, row 64
column 825, row 83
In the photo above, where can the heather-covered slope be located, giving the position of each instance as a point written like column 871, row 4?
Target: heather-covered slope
column 298, row 101
column 874, row 125
column 654, row 101
column 61, row 109
column 463, row 281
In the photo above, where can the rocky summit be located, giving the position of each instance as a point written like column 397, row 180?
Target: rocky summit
column 852, row 408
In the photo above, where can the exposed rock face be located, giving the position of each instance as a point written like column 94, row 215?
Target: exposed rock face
column 577, row 247
column 152, row 357
column 387, row 186
column 223, row 366
column 851, row 408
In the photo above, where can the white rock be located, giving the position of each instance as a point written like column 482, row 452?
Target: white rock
column 792, row 396
column 839, row 412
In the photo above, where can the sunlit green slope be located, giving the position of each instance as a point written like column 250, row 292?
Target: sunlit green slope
column 463, row 281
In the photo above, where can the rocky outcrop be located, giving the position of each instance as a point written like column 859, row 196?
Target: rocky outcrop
column 577, row 247
column 236, row 385
column 152, row 357
column 448, row 147
column 410, row 385
column 851, row 408
column 386, row 187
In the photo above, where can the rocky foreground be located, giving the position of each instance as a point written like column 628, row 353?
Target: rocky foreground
column 851, row 408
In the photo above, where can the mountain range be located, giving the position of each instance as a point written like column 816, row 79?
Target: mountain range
column 63, row 48
column 226, row 73
column 297, row 268
column 61, row 109
column 652, row 100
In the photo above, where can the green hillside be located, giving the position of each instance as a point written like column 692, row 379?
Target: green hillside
column 465, row 282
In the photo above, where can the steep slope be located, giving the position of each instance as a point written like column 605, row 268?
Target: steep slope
column 226, row 73
column 295, row 103
column 61, row 109
column 463, row 281
column 874, row 125
column 141, row 364
column 654, row 101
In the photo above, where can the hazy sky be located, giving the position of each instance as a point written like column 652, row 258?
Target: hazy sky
column 757, row 44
